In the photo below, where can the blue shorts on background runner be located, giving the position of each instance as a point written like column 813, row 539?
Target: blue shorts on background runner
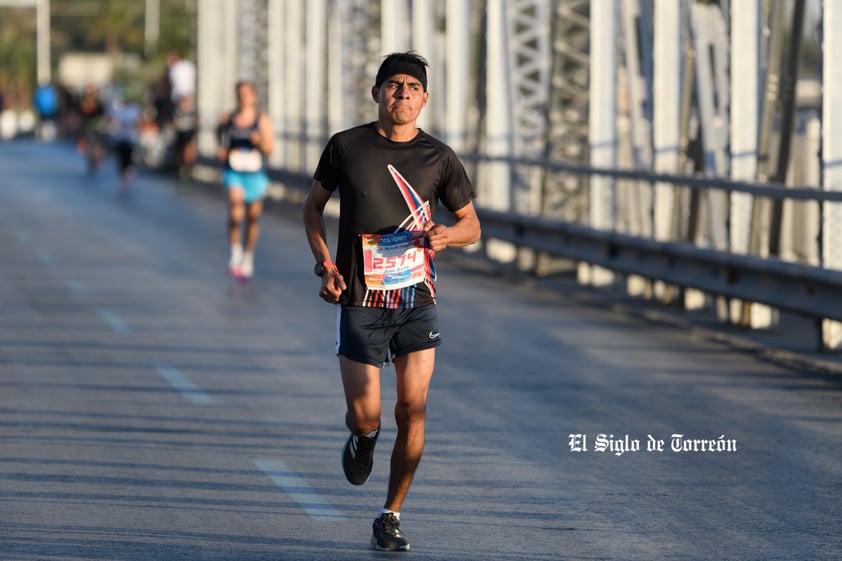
column 253, row 183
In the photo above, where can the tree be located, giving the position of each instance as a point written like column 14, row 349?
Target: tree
column 119, row 25
column 114, row 27
column 17, row 54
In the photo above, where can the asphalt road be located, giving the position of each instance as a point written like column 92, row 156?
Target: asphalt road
column 153, row 409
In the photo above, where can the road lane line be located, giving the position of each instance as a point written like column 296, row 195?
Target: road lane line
column 184, row 385
column 114, row 321
column 77, row 287
column 21, row 235
column 45, row 259
column 298, row 490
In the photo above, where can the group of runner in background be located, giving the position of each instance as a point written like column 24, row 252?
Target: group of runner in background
column 160, row 132
column 157, row 130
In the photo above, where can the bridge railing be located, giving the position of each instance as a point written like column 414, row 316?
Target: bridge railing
column 804, row 289
column 784, row 284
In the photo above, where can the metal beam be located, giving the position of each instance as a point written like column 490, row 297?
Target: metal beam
column 602, row 136
column 666, row 108
column 315, row 117
column 457, row 73
column 43, row 32
column 494, row 179
column 831, row 242
column 566, row 196
column 745, row 119
column 528, row 46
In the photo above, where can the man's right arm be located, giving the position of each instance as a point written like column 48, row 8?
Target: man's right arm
column 333, row 284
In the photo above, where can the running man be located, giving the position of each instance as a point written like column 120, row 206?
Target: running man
column 246, row 136
column 90, row 143
column 186, row 124
column 390, row 175
column 124, row 119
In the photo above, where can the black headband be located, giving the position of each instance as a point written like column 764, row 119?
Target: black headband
column 391, row 67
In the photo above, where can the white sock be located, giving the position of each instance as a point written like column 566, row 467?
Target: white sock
column 387, row 511
column 247, row 263
column 236, row 255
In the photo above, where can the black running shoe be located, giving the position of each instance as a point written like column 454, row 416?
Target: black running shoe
column 386, row 534
column 358, row 457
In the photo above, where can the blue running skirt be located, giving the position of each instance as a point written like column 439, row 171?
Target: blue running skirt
column 253, row 183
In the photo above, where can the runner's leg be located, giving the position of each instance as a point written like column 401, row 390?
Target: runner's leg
column 253, row 213
column 190, row 153
column 236, row 213
column 414, row 372
column 362, row 395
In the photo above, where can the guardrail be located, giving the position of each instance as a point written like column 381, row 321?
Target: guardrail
column 800, row 288
column 803, row 289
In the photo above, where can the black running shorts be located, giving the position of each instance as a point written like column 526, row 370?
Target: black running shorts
column 370, row 335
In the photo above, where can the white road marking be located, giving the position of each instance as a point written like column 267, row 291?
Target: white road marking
column 184, row 385
column 21, row 235
column 299, row 490
column 114, row 321
column 77, row 287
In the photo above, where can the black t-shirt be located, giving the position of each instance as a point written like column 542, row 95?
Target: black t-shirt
column 382, row 185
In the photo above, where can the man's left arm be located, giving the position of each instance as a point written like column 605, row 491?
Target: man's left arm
column 465, row 231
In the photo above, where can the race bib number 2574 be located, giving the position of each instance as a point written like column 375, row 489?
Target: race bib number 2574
column 394, row 260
